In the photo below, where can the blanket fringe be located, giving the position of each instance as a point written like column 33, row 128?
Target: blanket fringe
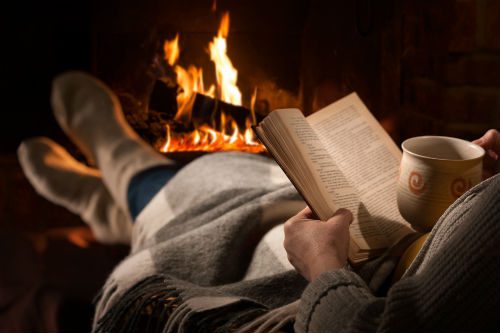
column 155, row 305
column 223, row 320
column 146, row 307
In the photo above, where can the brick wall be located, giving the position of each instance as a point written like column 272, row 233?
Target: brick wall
column 450, row 66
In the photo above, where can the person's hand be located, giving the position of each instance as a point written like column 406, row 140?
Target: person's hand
column 490, row 142
column 315, row 246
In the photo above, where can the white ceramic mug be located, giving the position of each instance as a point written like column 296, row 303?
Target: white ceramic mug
column 434, row 172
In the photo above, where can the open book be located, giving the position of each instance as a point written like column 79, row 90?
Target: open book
column 340, row 157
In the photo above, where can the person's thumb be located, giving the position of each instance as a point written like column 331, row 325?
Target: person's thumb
column 342, row 215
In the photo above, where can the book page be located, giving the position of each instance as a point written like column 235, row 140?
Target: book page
column 368, row 158
column 340, row 192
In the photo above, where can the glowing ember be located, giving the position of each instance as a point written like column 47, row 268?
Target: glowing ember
column 205, row 138
column 190, row 82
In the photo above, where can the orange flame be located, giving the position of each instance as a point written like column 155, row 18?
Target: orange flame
column 166, row 146
column 172, row 50
column 252, row 106
column 206, row 138
column 190, row 82
column 226, row 74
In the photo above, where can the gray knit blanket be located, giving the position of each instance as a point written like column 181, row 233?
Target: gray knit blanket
column 207, row 256
column 207, row 252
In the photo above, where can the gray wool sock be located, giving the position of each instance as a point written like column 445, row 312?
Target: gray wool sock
column 91, row 115
column 58, row 177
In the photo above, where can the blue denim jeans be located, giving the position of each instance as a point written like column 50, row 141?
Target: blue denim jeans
column 145, row 185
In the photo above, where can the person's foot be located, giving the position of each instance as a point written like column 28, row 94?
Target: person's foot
column 58, row 177
column 90, row 114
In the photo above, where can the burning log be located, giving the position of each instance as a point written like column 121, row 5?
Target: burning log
column 218, row 111
column 163, row 99
column 206, row 110
column 211, row 125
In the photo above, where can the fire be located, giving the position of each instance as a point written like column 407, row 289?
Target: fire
column 226, row 74
column 206, row 138
column 172, row 51
column 190, row 82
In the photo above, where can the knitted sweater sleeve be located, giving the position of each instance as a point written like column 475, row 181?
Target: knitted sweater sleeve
column 333, row 301
column 455, row 287
column 341, row 302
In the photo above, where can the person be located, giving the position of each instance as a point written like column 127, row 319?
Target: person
column 206, row 239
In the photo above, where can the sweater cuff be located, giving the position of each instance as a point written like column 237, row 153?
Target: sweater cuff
column 349, row 290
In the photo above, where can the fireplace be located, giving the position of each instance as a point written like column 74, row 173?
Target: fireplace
column 269, row 44
column 426, row 64
column 224, row 108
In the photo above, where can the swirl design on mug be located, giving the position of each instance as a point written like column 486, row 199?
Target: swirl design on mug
column 416, row 183
column 459, row 186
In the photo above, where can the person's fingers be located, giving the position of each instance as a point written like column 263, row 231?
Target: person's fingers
column 342, row 215
column 492, row 154
column 490, row 140
column 345, row 214
column 301, row 216
column 306, row 213
column 493, row 140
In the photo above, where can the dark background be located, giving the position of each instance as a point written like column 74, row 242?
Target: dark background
column 39, row 40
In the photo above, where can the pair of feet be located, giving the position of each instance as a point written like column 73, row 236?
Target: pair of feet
column 90, row 114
